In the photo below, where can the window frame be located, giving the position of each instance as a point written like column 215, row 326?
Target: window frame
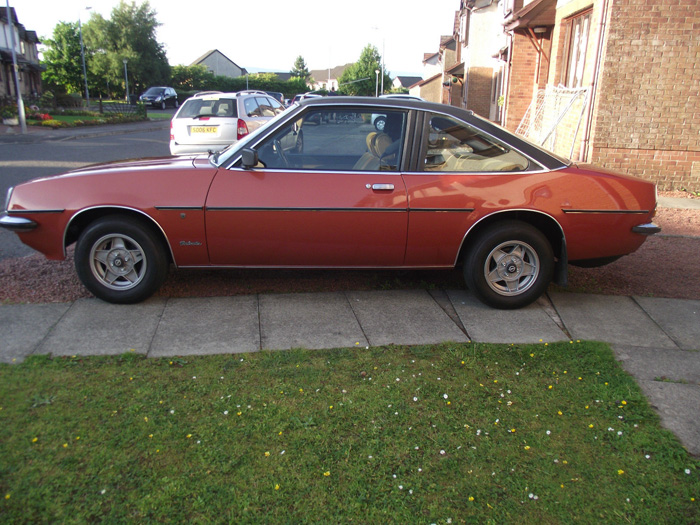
column 404, row 153
column 420, row 157
column 570, row 75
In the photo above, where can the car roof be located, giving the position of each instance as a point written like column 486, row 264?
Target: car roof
column 399, row 102
column 231, row 94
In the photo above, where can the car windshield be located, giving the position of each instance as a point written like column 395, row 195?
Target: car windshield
column 154, row 91
column 222, row 157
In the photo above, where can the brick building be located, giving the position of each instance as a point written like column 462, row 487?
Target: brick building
column 27, row 57
column 634, row 65
column 612, row 82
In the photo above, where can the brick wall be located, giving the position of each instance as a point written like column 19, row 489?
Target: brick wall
column 647, row 118
column 524, row 80
column 432, row 90
column 479, row 99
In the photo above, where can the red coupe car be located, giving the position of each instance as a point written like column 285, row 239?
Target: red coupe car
column 320, row 187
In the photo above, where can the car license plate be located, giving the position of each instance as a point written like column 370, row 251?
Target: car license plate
column 203, row 129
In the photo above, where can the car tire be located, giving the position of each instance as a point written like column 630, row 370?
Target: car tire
column 162, row 105
column 120, row 260
column 379, row 123
column 509, row 265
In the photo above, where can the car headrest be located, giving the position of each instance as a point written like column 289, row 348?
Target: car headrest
column 380, row 143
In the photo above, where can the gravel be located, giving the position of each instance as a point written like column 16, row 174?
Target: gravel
column 665, row 266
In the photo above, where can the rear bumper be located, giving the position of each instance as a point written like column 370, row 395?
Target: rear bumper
column 195, row 149
column 646, row 229
column 16, row 224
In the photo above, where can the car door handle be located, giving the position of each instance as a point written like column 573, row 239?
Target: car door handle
column 381, row 187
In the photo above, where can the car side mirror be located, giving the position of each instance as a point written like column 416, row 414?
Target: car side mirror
column 249, row 158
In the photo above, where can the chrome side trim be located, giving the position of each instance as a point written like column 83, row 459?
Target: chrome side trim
column 22, row 212
column 366, row 210
column 144, row 214
column 608, row 212
column 441, row 210
column 178, row 208
column 17, row 224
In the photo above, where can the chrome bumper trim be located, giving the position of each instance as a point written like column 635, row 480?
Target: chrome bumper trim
column 646, row 229
column 17, row 224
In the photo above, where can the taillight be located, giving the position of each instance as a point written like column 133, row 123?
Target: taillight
column 242, row 130
column 172, row 137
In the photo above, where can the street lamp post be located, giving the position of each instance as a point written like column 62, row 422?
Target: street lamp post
column 82, row 55
column 126, row 80
column 382, row 65
column 18, row 89
column 376, row 83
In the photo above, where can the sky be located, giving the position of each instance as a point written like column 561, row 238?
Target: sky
column 268, row 35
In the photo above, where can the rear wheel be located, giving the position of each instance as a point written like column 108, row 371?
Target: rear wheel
column 509, row 265
column 120, row 260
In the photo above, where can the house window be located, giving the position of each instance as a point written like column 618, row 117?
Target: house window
column 577, row 30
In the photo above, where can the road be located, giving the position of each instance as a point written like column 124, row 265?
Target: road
column 22, row 162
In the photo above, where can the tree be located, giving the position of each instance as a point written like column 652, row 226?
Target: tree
column 64, row 70
column 361, row 78
column 130, row 34
column 196, row 78
column 300, row 70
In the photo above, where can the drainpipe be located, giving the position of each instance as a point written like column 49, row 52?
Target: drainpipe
column 585, row 143
column 506, row 81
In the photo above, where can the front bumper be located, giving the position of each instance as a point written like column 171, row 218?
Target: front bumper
column 646, row 229
column 17, row 224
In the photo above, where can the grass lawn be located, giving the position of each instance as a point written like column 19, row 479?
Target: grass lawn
column 452, row 433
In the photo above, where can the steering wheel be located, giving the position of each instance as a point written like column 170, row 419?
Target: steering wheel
column 280, row 152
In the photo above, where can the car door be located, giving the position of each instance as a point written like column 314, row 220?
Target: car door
column 317, row 197
column 463, row 175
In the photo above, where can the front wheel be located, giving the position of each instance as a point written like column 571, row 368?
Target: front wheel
column 120, row 260
column 509, row 265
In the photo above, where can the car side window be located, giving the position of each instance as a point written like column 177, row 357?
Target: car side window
column 266, row 108
column 346, row 139
column 251, row 107
column 277, row 108
column 455, row 146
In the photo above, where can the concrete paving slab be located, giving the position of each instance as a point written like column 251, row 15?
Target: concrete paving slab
column 488, row 325
column 308, row 320
column 654, row 364
column 677, row 406
column 24, row 326
column 613, row 319
column 679, row 318
column 403, row 317
column 94, row 327
column 208, row 325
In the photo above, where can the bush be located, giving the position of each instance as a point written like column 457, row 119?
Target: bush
column 72, row 100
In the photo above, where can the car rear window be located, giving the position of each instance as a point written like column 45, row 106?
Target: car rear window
column 197, row 107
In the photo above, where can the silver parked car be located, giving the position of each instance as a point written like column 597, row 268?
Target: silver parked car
column 212, row 121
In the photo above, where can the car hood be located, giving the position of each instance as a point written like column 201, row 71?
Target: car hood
column 155, row 163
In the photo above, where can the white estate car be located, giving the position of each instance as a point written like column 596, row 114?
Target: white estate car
column 212, row 121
